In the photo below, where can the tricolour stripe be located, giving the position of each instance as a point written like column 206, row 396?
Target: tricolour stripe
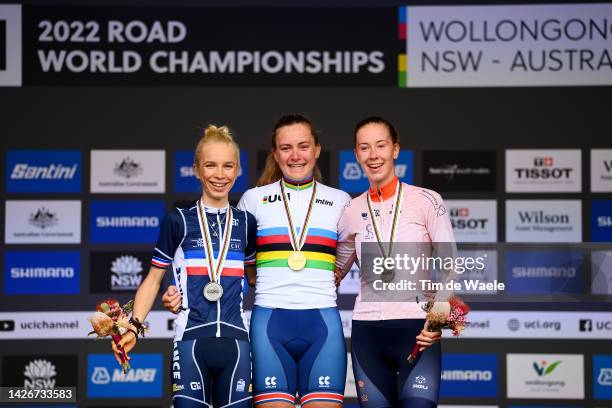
column 272, row 396
column 203, row 270
column 319, row 396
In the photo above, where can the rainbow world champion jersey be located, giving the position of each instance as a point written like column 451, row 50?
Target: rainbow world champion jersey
column 277, row 285
column 181, row 245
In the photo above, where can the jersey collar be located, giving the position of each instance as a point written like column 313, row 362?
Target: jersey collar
column 298, row 184
column 387, row 191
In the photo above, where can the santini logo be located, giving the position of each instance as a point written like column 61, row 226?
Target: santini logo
column 23, row 171
column 127, row 222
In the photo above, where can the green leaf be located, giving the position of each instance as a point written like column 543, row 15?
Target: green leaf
column 551, row 367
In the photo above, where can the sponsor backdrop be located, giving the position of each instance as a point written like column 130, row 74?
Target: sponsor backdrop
column 102, row 107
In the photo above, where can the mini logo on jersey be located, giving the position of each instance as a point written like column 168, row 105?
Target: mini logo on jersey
column 270, row 382
column 324, row 381
column 240, row 384
column 198, row 242
column 43, row 218
column 40, row 374
column 195, row 385
column 100, row 375
column 420, row 382
column 177, row 387
column 128, row 168
column 126, row 273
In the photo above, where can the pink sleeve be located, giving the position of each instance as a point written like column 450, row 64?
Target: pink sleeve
column 345, row 249
column 438, row 222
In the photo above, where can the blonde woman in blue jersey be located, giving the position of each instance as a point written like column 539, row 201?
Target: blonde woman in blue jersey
column 206, row 247
column 296, row 332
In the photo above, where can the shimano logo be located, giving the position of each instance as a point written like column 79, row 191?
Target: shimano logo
column 127, row 222
column 467, row 375
column 604, row 221
column 23, row 171
column 42, row 272
column 186, row 171
column 543, row 272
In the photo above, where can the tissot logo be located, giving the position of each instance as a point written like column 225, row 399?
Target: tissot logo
column 473, row 220
column 459, row 170
column 543, row 170
column 43, row 171
column 117, row 271
column 39, row 371
column 128, row 171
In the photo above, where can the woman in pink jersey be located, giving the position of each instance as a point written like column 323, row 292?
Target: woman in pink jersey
column 384, row 333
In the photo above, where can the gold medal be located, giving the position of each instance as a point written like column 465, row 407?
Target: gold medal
column 296, row 261
column 213, row 291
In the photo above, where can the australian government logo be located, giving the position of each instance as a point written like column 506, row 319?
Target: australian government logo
column 49, row 222
column 123, row 171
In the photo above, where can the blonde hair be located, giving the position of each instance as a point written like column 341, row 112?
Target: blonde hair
column 272, row 172
column 214, row 134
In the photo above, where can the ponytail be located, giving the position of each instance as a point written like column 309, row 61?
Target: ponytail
column 214, row 134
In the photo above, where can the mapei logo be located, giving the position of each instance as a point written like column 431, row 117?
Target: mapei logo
column 543, row 368
column 605, row 377
column 10, row 45
column 602, row 376
column 353, row 179
column 143, row 379
column 128, row 168
column 43, row 171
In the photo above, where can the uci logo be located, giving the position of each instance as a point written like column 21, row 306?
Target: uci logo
column 270, row 382
column 324, row 381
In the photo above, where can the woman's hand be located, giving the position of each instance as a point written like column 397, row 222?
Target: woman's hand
column 127, row 343
column 338, row 276
column 426, row 338
column 172, row 299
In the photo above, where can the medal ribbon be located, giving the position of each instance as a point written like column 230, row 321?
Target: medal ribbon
column 393, row 226
column 215, row 272
column 295, row 243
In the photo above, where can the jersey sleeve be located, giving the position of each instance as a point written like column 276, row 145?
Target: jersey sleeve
column 171, row 234
column 251, row 237
column 438, row 222
column 248, row 202
column 345, row 248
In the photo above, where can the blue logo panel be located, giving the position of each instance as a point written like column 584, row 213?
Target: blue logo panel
column 469, row 375
column 544, row 272
column 43, row 171
column 601, row 221
column 125, row 221
column 186, row 182
column 352, row 179
column 42, row 272
column 602, row 376
column 106, row 380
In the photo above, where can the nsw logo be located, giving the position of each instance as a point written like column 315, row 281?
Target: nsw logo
column 39, row 372
column 354, row 180
column 43, row 171
column 125, row 221
column 185, row 180
column 143, row 379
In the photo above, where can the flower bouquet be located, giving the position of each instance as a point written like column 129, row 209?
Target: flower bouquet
column 112, row 319
column 443, row 315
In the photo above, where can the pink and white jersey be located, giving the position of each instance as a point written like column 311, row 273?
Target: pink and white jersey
column 423, row 218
